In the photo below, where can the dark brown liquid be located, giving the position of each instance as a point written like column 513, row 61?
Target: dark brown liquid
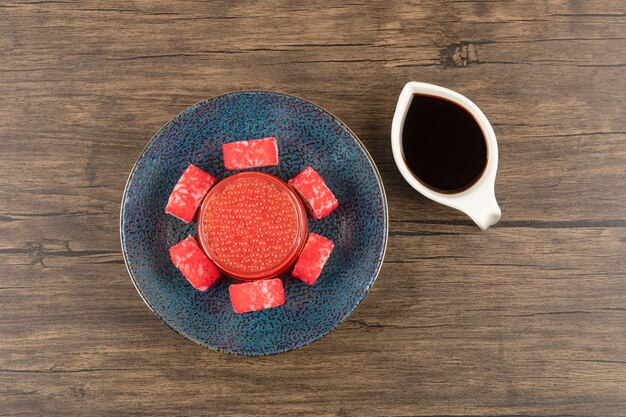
column 443, row 144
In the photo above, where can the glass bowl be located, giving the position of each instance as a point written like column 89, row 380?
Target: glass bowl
column 252, row 225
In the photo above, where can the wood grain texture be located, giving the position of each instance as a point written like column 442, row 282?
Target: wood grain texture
column 528, row 318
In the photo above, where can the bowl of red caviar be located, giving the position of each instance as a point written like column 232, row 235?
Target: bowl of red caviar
column 252, row 225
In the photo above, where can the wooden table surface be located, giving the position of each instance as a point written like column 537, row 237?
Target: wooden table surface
column 527, row 318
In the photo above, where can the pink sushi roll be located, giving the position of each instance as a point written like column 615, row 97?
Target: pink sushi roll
column 196, row 267
column 309, row 265
column 250, row 153
column 257, row 295
column 188, row 193
column 319, row 200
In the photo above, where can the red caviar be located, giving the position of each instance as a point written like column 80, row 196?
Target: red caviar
column 252, row 226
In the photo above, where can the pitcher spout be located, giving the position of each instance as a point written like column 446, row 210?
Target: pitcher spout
column 482, row 209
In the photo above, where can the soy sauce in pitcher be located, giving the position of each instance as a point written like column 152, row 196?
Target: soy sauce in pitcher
column 443, row 145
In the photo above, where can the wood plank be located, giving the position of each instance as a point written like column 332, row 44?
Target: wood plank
column 527, row 318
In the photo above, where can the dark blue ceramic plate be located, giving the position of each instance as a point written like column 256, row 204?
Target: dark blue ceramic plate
column 307, row 135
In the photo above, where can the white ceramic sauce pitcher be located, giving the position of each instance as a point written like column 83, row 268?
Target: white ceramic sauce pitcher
column 479, row 200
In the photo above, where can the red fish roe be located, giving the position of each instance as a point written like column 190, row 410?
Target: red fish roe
column 312, row 188
column 196, row 267
column 258, row 295
column 188, row 193
column 252, row 226
column 313, row 258
column 250, row 153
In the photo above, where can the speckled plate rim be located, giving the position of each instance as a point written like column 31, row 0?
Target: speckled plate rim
column 300, row 345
